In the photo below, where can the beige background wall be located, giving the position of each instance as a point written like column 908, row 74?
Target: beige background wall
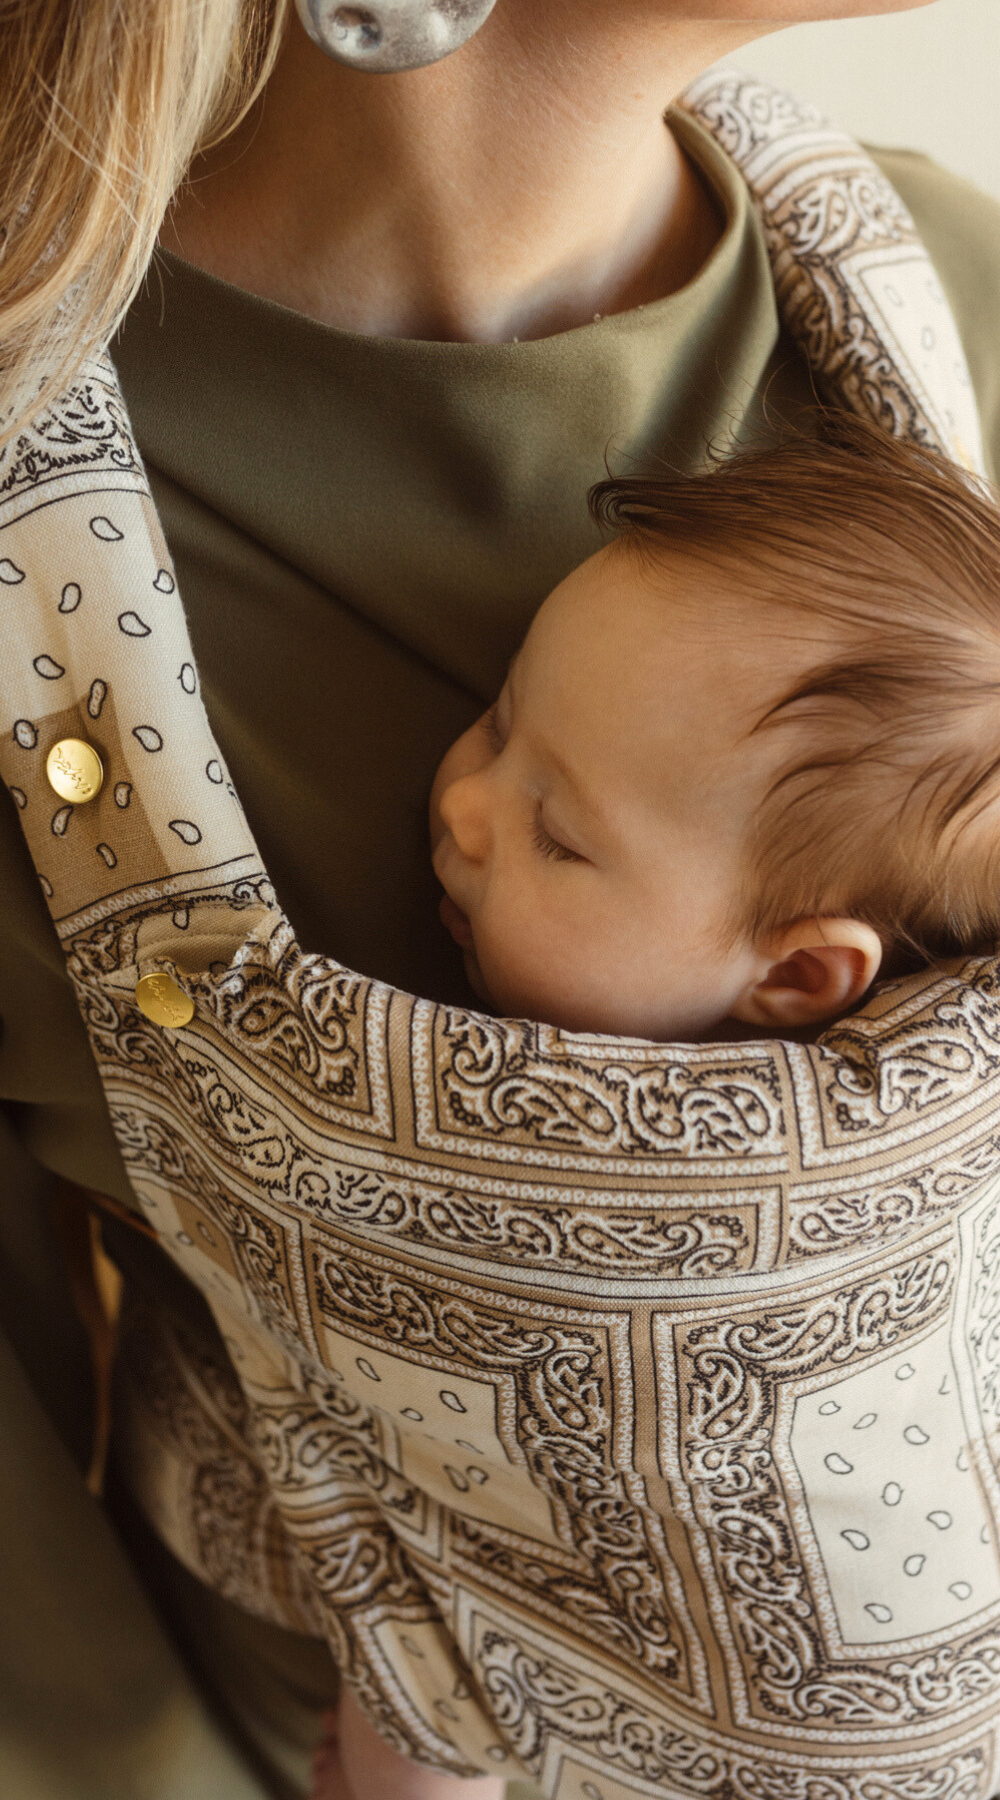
column 929, row 79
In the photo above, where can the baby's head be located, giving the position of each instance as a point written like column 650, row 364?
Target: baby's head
column 747, row 754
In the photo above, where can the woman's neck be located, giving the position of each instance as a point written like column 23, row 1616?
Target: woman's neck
column 516, row 189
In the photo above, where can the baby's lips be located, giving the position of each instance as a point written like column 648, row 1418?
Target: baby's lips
column 454, row 919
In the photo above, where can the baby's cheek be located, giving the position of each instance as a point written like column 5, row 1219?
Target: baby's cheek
column 538, row 962
column 578, row 967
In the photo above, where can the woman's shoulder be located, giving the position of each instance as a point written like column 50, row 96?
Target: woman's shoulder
column 960, row 226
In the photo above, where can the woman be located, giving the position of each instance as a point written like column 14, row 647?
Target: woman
column 367, row 494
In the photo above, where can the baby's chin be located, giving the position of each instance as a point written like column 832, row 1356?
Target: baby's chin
column 568, row 1015
column 475, row 976
column 499, row 997
column 520, row 1003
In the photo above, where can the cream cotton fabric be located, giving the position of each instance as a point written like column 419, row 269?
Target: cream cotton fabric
column 621, row 1413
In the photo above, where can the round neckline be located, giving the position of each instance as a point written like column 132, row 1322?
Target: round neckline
column 726, row 191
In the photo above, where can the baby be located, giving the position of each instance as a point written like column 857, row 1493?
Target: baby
column 747, row 756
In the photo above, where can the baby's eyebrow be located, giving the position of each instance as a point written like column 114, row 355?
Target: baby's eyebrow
column 578, row 795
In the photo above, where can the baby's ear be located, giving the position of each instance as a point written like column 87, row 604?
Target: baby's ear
column 816, row 969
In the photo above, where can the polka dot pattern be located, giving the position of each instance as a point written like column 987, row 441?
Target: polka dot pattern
column 132, row 625
column 895, row 1512
column 98, row 674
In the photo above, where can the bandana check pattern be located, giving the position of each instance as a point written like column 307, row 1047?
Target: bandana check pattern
column 623, row 1413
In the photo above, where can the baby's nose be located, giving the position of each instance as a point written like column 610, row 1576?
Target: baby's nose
column 466, row 814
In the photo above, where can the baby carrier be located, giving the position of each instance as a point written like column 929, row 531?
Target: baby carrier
column 621, row 1413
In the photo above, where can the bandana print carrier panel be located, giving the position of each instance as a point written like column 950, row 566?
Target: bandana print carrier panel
column 622, row 1413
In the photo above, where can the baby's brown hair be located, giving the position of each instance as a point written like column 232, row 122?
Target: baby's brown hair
column 888, row 809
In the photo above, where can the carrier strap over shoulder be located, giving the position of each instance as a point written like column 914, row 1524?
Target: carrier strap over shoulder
column 624, row 1413
column 855, row 286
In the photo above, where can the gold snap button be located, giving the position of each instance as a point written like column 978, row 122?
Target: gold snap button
column 162, row 1001
column 75, row 771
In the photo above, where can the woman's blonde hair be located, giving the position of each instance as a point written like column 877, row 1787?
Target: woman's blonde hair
column 105, row 104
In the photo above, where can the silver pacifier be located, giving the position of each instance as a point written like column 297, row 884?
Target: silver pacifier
column 387, row 36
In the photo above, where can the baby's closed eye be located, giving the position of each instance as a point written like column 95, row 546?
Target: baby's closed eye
column 550, row 846
column 490, row 724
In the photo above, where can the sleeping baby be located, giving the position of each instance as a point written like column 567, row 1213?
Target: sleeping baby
column 747, row 757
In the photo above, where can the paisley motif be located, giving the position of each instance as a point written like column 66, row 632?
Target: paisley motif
column 623, row 1413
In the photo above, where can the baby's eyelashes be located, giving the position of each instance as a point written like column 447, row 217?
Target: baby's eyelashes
column 492, row 729
column 550, row 846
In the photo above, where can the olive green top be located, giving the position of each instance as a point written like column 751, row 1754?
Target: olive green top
column 362, row 529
